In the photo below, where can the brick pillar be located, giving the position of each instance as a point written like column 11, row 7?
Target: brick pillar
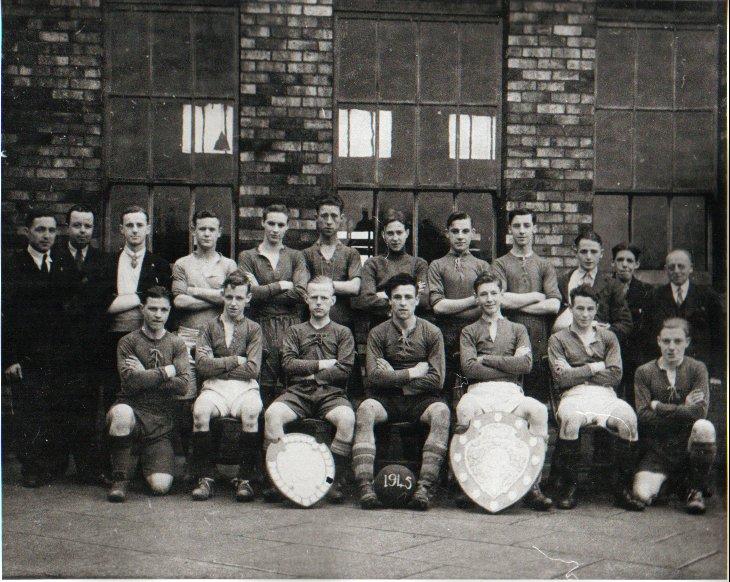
column 52, row 106
column 550, row 87
column 286, row 110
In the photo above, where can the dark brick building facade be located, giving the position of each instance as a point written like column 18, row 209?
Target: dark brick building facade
column 560, row 125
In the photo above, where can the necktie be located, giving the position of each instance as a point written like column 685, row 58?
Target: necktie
column 679, row 297
column 134, row 260
column 79, row 259
column 44, row 264
column 587, row 280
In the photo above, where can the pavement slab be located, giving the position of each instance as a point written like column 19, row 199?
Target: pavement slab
column 616, row 570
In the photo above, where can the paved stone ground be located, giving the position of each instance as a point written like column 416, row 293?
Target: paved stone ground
column 68, row 530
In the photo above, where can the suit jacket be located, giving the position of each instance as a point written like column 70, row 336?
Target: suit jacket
column 34, row 308
column 636, row 298
column 612, row 306
column 702, row 308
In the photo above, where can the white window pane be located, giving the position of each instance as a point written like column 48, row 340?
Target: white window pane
column 216, row 128
column 481, row 138
column 187, row 127
column 197, row 131
column 452, row 136
column 343, row 128
column 464, row 137
column 385, row 126
column 362, row 134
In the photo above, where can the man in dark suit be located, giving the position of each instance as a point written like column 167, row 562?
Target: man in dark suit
column 626, row 261
column 85, row 327
column 613, row 311
column 37, row 288
column 698, row 304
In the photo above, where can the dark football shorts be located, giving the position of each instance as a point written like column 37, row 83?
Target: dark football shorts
column 402, row 408
column 313, row 401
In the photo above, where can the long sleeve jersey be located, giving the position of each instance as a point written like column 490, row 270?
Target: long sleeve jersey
column 214, row 359
column 501, row 361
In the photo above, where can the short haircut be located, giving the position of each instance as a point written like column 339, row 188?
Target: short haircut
column 41, row 212
column 133, row 209
column 276, row 208
column 454, row 216
column 680, row 250
column 330, row 199
column 200, row 214
column 487, row 277
column 236, row 279
column 587, row 234
column 584, row 291
column 676, row 323
column 156, row 292
column 78, row 208
column 321, row 280
column 520, row 212
column 624, row 246
column 398, row 280
column 394, row 215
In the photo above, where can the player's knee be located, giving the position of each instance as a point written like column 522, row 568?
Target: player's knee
column 703, row 431
column 120, row 419
column 366, row 413
column 250, row 421
column 440, row 417
column 623, row 420
column 343, row 418
column 160, row 483
column 570, row 425
column 537, row 411
column 201, row 417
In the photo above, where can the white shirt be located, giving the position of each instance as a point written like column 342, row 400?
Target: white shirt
column 128, row 277
column 38, row 257
column 580, row 277
column 682, row 289
column 74, row 250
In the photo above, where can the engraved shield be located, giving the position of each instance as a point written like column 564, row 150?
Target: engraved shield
column 496, row 460
column 301, row 468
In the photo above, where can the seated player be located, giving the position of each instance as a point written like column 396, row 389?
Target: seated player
column 495, row 353
column 153, row 368
column 585, row 360
column 672, row 398
column 405, row 373
column 317, row 357
column 228, row 360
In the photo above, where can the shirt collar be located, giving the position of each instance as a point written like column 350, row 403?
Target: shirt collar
column 408, row 332
column 38, row 257
column 527, row 256
column 282, row 250
column 662, row 366
column 592, row 335
column 592, row 273
column 684, row 288
column 131, row 254
column 73, row 250
column 466, row 253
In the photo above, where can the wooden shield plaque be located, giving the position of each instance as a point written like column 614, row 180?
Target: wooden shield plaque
column 496, row 460
column 301, row 468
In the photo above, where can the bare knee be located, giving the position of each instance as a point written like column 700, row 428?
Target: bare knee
column 160, row 483
column 121, row 420
column 624, row 422
column 274, row 420
column 439, row 416
column 570, row 425
column 703, row 431
column 201, row 417
column 250, row 419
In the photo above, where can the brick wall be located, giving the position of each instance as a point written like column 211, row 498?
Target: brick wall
column 549, row 118
column 52, row 106
column 286, row 111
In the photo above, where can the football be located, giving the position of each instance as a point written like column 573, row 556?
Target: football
column 394, row 485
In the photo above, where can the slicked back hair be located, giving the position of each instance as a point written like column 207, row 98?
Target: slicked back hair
column 156, row 292
column 40, row 212
column 487, row 277
column 133, row 209
column 624, row 246
column 454, row 216
column 520, row 212
column 398, row 280
column 588, row 234
column 584, row 291
column 321, row 280
column 330, row 199
column 276, row 208
column 78, row 208
column 676, row 323
column 200, row 214
column 395, row 215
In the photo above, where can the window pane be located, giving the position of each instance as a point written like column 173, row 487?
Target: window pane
column 356, row 146
column 480, row 206
column 439, row 66
column 688, row 228
column 697, row 66
column 216, row 54
column 215, row 141
column 654, row 131
column 127, row 138
column 170, row 156
column 128, row 52
column 389, row 201
column 398, row 168
column 654, row 68
column 359, row 232
column 433, row 209
column 171, row 59
column 480, row 167
column 695, row 151
column 615, row 56
column 613, row 149
column 170, row 225
column 611, row 221
column 649, row 229
column 397, row 54
column 356, row 59
column 219, row 201
column 481, row 63
column 434, row 164
column 121, row 196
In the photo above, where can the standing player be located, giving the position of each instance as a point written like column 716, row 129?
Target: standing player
column 586, row 364
column 405, row 369
column 379, row 269
column 451, row 286
column 330, row 258
column 278, row 277
column 317, row 357
column 153, row 367
column 228, row 358
column 672, row 398
column 197, row 282
column 531, row 296
column 495, row 354
column 37, row 287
